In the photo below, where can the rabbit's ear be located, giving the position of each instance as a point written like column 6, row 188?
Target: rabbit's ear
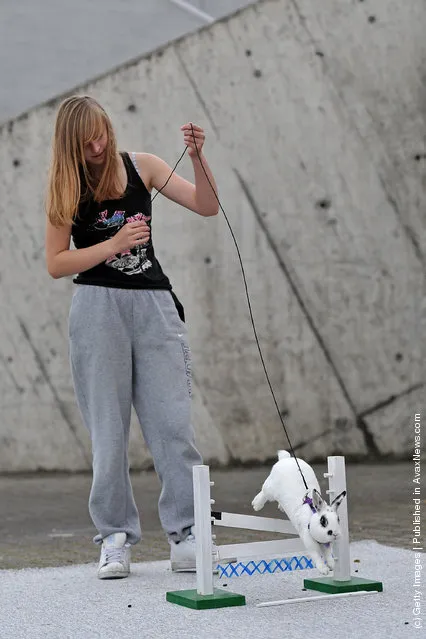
column 336, row 502
column 317, row 500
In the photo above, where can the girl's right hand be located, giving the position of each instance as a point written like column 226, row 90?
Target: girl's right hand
column 130, row 235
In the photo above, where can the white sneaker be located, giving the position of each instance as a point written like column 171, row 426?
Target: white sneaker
column 183, row 554
column 115, row 557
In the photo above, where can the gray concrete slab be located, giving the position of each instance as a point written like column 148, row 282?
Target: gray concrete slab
column 45, row 521
column 48, row 47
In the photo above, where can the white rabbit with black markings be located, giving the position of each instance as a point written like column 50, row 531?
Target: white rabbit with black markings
column 316, row 522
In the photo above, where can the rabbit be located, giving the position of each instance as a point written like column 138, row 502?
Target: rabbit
column 316, row 522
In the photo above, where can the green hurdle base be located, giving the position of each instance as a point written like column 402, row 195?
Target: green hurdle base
column 219, row 599
column 330, row 586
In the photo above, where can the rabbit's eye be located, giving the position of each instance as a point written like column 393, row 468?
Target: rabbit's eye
column 324, row 521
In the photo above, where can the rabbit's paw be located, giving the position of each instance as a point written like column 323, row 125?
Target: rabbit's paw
column 331, row 563
column 322, row 567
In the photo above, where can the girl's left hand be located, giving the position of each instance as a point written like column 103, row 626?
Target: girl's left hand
column 188, row 137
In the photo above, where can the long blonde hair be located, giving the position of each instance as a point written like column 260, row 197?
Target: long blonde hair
column 80, row 120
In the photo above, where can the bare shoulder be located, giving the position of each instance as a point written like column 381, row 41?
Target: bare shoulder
column 146, row 164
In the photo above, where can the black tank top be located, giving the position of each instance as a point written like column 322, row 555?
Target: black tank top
column 99, row 221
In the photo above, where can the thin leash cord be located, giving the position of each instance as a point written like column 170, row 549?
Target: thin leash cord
column 174, row 169
column 246, row 289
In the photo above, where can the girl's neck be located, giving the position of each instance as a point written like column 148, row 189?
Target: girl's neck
column 96, row 170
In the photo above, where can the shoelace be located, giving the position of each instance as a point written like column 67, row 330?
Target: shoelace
column 114, row 554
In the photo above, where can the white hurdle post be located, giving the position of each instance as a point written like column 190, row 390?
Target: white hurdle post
column 203, row 533
column 205, row 595
column 337, row 483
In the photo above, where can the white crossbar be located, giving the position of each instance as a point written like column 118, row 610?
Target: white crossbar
column 250, row 522
column 279, row 547
column 281, row 602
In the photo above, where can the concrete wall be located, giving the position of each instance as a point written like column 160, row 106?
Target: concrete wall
column 315, row 133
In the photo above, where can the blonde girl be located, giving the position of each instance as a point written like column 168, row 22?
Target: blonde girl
column 127, row 337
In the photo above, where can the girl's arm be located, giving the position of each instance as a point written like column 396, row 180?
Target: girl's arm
column 62, row 261
column 197, row 197
column 200, row 197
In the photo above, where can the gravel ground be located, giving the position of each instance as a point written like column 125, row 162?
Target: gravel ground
column 71, row 603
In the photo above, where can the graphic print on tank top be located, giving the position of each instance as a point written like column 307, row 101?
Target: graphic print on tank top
column 134, row 260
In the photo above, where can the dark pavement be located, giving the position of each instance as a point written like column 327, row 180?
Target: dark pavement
column 45, row 521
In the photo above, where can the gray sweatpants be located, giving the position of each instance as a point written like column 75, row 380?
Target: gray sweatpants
column 131, row 346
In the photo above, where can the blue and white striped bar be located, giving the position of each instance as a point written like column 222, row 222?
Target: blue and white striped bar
column 264, row 566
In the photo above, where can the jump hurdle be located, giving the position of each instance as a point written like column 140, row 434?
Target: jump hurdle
column 283, row 552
